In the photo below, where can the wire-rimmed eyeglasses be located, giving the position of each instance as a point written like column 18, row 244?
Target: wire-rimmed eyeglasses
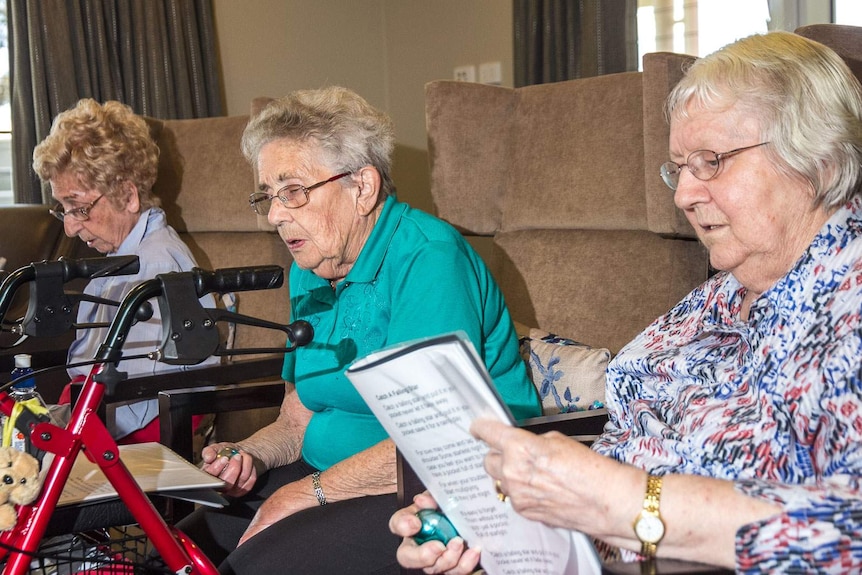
column 292, row 196
column 81, row 214
column 703, row 165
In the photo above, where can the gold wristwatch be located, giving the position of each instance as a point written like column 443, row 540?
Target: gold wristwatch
column 648, row 525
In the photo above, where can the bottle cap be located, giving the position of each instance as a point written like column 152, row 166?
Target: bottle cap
column 22, row 360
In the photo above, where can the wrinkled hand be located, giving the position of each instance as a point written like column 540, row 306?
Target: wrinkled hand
column 232, row 465
column 432, row 557
column 286, row 501
column 550, row 476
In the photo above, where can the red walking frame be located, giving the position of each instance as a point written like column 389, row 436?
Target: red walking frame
column 87, row 432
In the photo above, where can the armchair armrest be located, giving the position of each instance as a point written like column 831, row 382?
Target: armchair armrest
column 584, row 426
column 147, row 387
column 177, row 406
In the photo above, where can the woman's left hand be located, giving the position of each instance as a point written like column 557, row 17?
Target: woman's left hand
column 432, row 556
column 553, row 478
column 286, row 501
column 233, row 465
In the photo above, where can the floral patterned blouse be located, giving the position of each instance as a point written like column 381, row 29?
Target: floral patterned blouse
column 774, row 403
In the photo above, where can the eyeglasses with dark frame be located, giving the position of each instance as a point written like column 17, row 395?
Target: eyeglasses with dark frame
column 81, row 214
column 703, row 165
column 292, row 196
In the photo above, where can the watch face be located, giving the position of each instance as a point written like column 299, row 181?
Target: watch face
column 649, row 528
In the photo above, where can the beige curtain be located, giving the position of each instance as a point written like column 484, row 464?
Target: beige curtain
column 158, row 56
column 559, row 40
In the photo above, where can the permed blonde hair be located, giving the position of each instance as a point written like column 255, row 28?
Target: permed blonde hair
column 105, row 146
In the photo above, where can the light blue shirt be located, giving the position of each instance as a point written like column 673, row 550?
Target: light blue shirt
column 160, row 250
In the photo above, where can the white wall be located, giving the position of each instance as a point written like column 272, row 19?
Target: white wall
column 271, row 47
column 386, row 50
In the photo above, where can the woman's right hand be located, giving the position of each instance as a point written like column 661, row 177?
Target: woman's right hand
column 230, row 463
column 433, row 556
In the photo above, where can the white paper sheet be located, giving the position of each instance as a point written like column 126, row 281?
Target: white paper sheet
column 426, row 394
column 155, row 468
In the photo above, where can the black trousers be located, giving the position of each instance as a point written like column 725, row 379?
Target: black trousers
column 345, row 537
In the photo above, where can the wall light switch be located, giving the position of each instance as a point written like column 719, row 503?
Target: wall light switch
column 465, row 73
column 491, row 73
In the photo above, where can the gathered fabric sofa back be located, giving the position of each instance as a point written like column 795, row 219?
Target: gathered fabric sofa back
column 559, row 186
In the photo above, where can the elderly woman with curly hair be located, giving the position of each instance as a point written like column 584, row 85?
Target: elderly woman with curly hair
column 101, row 164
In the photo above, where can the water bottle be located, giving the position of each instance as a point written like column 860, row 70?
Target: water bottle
column 29, row 409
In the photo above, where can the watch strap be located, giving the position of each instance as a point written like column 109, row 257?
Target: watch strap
column 651, row 504
column 648, row 549
column 653, row 493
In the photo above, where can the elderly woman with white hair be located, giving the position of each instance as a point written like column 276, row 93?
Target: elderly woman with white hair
column 316, row 488
column 735, row 418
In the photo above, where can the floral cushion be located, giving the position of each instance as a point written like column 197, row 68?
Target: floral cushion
column 570, row 376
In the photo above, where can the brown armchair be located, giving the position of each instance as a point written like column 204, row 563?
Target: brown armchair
column 557, row 187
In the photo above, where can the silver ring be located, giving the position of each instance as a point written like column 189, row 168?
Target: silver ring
column 228, row 452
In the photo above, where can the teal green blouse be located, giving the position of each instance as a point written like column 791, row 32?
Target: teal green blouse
column 415, row 277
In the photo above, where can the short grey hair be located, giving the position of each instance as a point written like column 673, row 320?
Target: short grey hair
column 808, row 102
column 350, row 132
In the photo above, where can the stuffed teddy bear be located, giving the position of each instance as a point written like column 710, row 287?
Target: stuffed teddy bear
column 19, row 483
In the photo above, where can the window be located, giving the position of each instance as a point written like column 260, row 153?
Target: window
column 5, row 114
column 697, row 27
column 847, row 12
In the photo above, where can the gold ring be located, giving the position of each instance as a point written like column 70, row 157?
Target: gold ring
column 501, row 495
column 228, row 452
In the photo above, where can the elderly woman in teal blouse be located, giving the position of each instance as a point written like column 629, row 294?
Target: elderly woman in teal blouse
column 316, row 488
